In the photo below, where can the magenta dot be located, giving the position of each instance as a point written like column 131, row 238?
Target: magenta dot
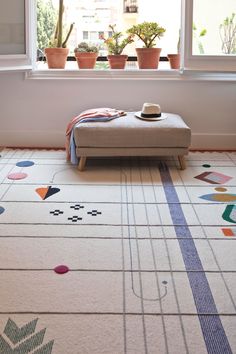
column 61, row 269
column 16, row 176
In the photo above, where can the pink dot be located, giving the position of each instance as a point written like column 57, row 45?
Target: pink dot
column 18, row 175
column 61, row 269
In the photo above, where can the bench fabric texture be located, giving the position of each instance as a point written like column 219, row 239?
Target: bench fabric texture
column 131, row 136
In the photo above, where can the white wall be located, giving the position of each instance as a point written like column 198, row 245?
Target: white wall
column 34, row 113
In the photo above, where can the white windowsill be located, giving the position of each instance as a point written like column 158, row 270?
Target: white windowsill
column 179, row 75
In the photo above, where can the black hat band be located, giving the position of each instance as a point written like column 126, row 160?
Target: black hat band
column 150, row 115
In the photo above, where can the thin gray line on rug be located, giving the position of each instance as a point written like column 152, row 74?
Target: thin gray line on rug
column 140, row 279
column 154, row 263
column 223, row 314
column 116, row 238
column 116, row 203
column 119, row 271
column 123, row 263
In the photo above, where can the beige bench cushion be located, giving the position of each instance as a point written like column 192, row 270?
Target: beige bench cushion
column 131, row 132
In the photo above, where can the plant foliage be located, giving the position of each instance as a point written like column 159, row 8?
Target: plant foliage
column 147, row 32
column 228, row 34
column 115, row 44
column 46, row 18
column 58, row 40
column 84, row 47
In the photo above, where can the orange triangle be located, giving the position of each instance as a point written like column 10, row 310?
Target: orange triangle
column 42, row 192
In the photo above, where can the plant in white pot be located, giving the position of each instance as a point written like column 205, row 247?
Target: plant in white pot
column 86, row 55
column 147, row 32
column 115, row 45
column 56, row 54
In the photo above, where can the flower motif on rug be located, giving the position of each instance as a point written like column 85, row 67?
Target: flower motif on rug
column 23, row 340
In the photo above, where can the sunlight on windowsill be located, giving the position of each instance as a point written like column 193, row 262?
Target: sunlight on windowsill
column 103, row 66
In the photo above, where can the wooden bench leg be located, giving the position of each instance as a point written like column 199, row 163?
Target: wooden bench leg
column 182, row 162
column 82, row 163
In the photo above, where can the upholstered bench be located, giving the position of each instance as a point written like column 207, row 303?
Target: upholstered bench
column 131, row 136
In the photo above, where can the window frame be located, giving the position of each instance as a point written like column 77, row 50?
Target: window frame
column 210, row 63
column 22, row 62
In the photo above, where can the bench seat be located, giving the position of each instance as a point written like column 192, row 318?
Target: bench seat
column 131, row 136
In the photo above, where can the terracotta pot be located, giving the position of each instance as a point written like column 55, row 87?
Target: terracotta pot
column 117, row 61
column 174, row 60
column 56, row 57
column 148, row 58
column 86, row 60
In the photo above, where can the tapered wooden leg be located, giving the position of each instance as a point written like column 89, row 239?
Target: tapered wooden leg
column 82, row 163
column 182, row 162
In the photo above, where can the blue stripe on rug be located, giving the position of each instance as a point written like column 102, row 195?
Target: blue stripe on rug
column 213, row 331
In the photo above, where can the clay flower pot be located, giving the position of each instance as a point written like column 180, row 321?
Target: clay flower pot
column 117, row 61
column 148, row 58
column 86, row 60
column 174, row 60
column 56, row 57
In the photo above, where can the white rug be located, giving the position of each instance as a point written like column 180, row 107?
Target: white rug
column 149, row 250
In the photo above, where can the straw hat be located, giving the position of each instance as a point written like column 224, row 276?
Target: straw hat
column 151, row 111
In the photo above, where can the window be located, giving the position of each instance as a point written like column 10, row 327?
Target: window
column 12, row 28
column 206, row 30
column 210, row 35
column 14, row 34
column 214, row 35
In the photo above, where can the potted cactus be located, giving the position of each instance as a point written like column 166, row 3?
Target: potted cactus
column 115, row 45
column 147, row 32
column 57, row 52
column 174, row 59
column 86, row 55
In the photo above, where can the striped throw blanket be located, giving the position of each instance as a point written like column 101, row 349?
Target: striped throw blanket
column 90, row 115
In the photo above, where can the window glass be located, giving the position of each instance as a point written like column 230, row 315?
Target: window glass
column 93, row 17
column 214, row 27
column 12, row 27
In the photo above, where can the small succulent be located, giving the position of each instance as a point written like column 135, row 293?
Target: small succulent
column 84, row 47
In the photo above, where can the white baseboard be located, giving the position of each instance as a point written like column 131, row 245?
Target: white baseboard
column 33, row 139
column 204, row 141
column 56, row 139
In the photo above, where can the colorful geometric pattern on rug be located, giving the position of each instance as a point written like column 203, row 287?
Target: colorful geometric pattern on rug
column 213, row 177
column 229, row 232
column 132, row 255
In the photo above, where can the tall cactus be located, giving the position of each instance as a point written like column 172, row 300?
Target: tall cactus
column 58, row 36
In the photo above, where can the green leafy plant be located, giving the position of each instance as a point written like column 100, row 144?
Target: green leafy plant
column 84, row 47
column 115, row 44
column 57, row 40
column 147, row 32
column 197, row 35
column 228, row 35
column 46, row 18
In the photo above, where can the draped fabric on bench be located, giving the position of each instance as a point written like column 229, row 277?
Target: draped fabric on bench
column 91, row 115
